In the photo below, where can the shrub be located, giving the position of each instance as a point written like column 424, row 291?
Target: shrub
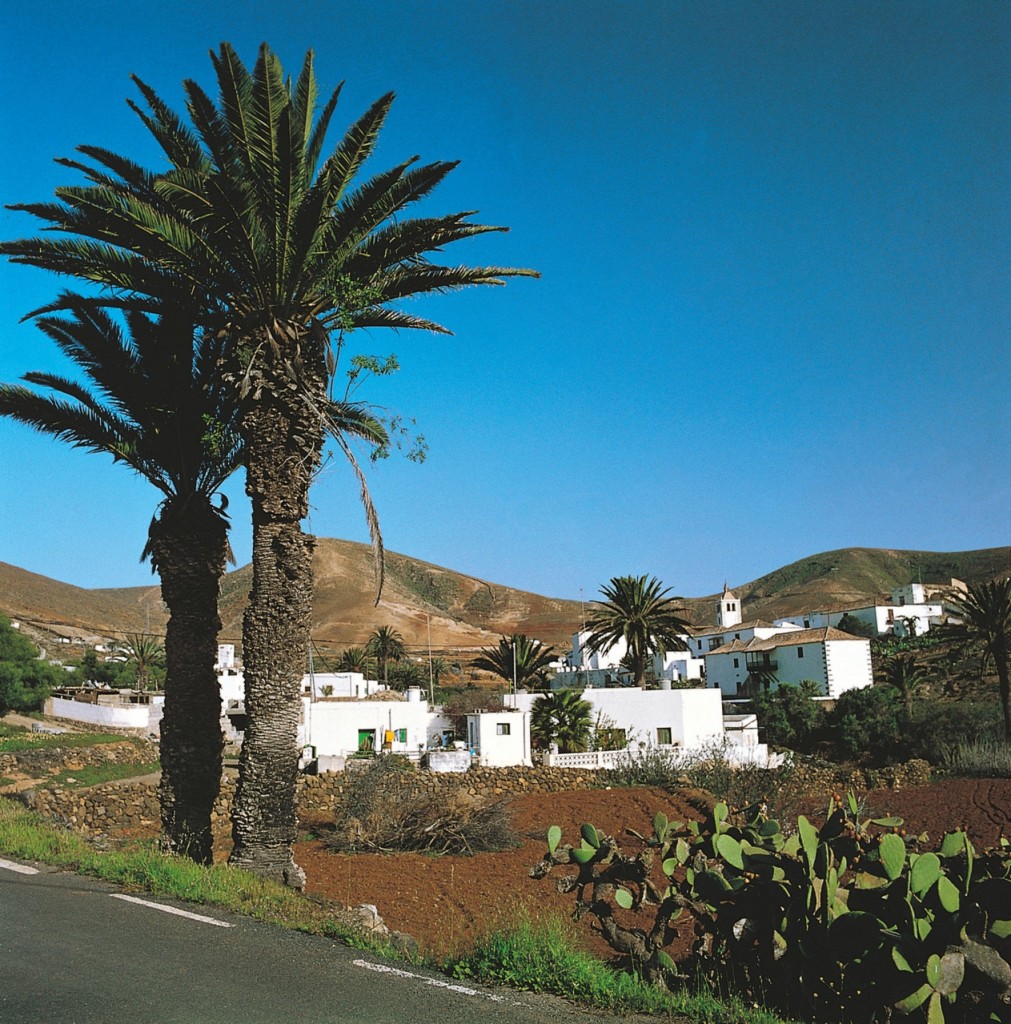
column 843, row 923
column 789, row 716
column 935, row 731
column 381, row 812
column 988, row 758
column 866, row 721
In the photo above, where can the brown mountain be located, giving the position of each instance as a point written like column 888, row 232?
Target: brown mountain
column 466, row 613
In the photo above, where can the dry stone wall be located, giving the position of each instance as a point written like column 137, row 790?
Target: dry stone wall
column 131, row 809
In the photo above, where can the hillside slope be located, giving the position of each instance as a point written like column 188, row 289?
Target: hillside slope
column 465, row 613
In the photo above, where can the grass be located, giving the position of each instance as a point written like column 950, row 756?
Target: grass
column 987, row 758
column 27, row 836
column 14, row 740
column 94, row 775
column 535, row 957
column 542, row 957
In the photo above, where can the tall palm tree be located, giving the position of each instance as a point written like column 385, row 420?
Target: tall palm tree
column 146, row 652
column 151, row 399
column 284, row 252
column 985, row 612
column 518, row 658
column 639, row 612
column 385, row 645
column 561, row 717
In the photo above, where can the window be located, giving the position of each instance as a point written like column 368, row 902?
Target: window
column 800, row 652
column 737, row 636
column 366, row 739
column 807, row 623
column 737, row 662
column 502, row 728
column 400, row 735
column 663, row 736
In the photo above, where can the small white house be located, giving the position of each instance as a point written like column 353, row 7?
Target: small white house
column 500, row 738
column 834, row 660
column 884, row 619
column 343, row 727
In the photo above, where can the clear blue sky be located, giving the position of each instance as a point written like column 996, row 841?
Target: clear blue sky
column 773, row 317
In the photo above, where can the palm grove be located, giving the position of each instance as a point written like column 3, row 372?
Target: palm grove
column 229, row 282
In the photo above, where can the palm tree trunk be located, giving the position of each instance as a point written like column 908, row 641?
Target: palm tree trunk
column 189, row 546
column 283, row 439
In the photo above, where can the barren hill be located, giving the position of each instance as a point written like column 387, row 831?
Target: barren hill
column 466, row 613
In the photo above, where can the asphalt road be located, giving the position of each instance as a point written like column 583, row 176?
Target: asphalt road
column 74, row 951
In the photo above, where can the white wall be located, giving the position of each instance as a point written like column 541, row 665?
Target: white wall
column 847, row 666
column 883, row 618
column 333, row 727
column 694, row 717
column 498, row 748
column 114, row 716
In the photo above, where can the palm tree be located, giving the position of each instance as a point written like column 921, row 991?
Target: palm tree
column 353, row 659
column 385, row 645
column 639, row 612
column 152, row 401
column 284, row 253
column 146, row 652
column 517, row 658
column 985, row 612
column 907, row 676
column 561, row 717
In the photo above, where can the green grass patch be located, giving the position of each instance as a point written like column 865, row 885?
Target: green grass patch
column 542, row 957
column 13, row 742
column 94, row 775
column 27, row 836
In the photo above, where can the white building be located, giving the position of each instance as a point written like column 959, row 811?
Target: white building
column 226, row 657
column 884, row 619
column 682, row 720
column 588, row 668
column 834, row 660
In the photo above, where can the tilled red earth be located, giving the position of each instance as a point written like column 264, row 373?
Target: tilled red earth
column 445, row 902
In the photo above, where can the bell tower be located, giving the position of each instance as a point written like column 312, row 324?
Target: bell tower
column 728, row 609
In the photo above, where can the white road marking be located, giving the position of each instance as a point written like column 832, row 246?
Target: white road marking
column 434, row 982
column 22, row 869
column 170, row 910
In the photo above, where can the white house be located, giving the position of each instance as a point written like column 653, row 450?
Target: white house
column 587, row 668
column 834, row 660
column 682, row 720
column 895, row 619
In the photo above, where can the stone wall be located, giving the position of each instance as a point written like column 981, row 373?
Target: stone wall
column 41, row 763
column 131, row 809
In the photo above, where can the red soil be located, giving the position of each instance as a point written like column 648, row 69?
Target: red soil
column 444, row 902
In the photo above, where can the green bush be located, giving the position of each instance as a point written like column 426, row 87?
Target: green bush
column 866, row 722
column 845, row 923
column 935, row 731
column 25, row 680
column 789, row 716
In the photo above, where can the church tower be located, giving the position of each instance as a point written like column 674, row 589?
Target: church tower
column 728, row 609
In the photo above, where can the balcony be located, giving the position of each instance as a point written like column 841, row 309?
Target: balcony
column 761, row 665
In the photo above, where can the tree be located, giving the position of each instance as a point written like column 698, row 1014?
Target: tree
column 907, row 676
column 285, row 253
column 789, row 715
column 353, row 659
column 857, row 627
column 637, row 611
column 985, row 612
column 532, row 659
column 25, row 679
column 144, row 652
column 151, row 399
column 562, row 717
column 866, row 721
column 385, row 645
